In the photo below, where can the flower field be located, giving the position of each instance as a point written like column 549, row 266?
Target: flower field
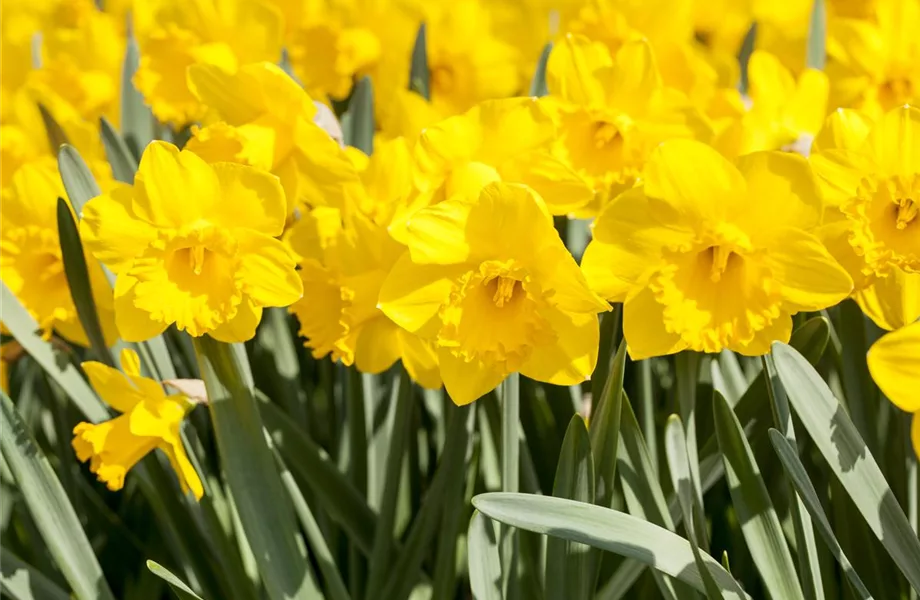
column 483, row 299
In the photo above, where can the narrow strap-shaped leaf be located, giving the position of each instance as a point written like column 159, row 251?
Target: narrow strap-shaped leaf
column 688, row 372
column 816, row 52
column 482, row 557
column 569, row 573
column 137, row 121
column 22, row 582
column 604, row 428
column 77, row 274
column 845, row 451
column 361, row 111
column 759, row 523
column 510, row 464
column 23, row 327
column 265, row 510
column 744, row 57
column 675, row 445
column 789, row 456
column 538, row 82
column 123, row 163
column 609, row 530
column 56, row 135
column 79, row 182
column 419, row 75
column 178, row 587
column 50, row 508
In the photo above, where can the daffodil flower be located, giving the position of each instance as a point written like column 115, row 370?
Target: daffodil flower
column 488, row 280
column 193, row 244
column 707, row 255
column 150, row 419
column 894, row 362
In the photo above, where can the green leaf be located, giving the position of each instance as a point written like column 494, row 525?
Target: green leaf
column 58, row 366
column 845, row 451
column 744, row 56
column 608, row 530
column 336, row 494
column 78, row 181
column 361, row 115
column 123, row 163
column 759, row 523
column 255, row 484
column 137, row 121
column 178, row 587
column 789, row 456
column 56, row 135
column 77, row 274
column 538, row 82
column 675, row 445
column 816, row 52
column 569, row 572
column 604, row 428
column 22, row 582
column 484, row 565
column 50, row 508
column 419, row 75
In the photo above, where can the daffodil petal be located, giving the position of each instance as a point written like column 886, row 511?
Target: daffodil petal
column 267, row 269
column 250, row 199
column 110, row 231
column 467, row 381
column 571, row 358
column 242, row 327
column 894, row 362
column 811, row 279
column 112, row 386
column 412, row 294
column 134, row 324
column 164, row 176
column 377, row 346
column 644, row 330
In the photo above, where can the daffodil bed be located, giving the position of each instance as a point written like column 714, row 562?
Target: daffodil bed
column 492, row 299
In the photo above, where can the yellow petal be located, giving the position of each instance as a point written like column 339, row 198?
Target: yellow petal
column 437, row 234
column 835, row 235
column 839, row 172
column 843, row 129
column 806, row 108
column 895, row 142
column 572, row 356
column 112, row 386
column 635, row 78
column 420, row 359
column 810, row 278
column 770, row 82
column 644, row 329
column 250, row 199
column 188, row 476
column 779, row 330
column 572, row 67
column 218, row 89
column 378, row 345
column 893, row 301
column 111, row 449
column 894, row 362
column 174, row 188
column 412, row 294
column 242, row 327
column 782, row 192
column 693, row 180
column 134, row 325
column 267, row 269
column 467, row 381
column 111, row 232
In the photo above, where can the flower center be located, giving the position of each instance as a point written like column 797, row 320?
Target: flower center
column 719, row 259
column 895, row 90
column 607, row 135
column 443, row 78
column 505, row 289
column 907, row 211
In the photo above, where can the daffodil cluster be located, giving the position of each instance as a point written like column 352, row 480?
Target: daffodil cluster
column 726, row 197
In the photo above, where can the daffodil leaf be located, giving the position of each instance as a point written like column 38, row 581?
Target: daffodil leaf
column 569, row 572
column 538, row 82
column 77, row 274
column 336, row 494
column 759, row 523
column 744, row 56
column 609, row 530
column 178, row 587
column 79, row 182
column 482, row 555
column 265, row 510
column 57, row 365
column 23, row 582
column 56, row 135
column 46, row 500
column 849, row 458
column 123, row 163
column 137, row 120
column 419, row 75
column 604, row 426
column 675, row 444
column 816, row 52
column 361, row 117
column 789, row 456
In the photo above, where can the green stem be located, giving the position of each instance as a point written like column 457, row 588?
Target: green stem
column 357, row 453
column 510, row 465
column 647, row 402
column 688, row 369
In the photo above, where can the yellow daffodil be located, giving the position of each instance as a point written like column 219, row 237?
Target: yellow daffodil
column 193, row 244
column 497, row 140
column 785, row 113
column 892, row 301
column 707, row 255
column 894, row 362
column 175, row 34
column 613, row 111
column 874, row 64
column 343, row 269
column 268, row 122
column 30, row 255
column 488, row 280
column 874, row 175
column 150, row 419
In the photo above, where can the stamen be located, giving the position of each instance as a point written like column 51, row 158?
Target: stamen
column 907, row 212
column 196, row 258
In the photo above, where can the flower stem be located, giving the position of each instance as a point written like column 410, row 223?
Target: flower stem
column 511, row 417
